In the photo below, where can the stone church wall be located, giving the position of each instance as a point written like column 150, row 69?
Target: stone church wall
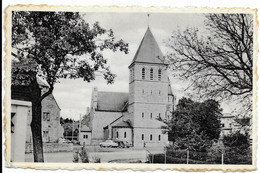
column 100, row 120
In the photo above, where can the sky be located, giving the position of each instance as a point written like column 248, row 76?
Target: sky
column 74, row 96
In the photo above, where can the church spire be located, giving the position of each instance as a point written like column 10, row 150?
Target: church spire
column 148, row 51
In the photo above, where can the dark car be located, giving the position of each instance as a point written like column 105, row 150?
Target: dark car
column 123, row 144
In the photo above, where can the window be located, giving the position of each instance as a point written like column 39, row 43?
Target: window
column 159, row 74
column 142, row 137
column 222, row 125
column 117, row 134
column 151, row 115
column 12, row 123
column 151, row 137
column 142, row 115
column 159, row 137
column 151, row 92
column 46, row 116
column 125, row 135
column 143, row 91
column 45, row 134
column 85, row 136
column 159, row 115
column 151, row 74
column 159, row 92
column 143, row 73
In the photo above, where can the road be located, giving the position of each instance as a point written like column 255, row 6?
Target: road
column 106, row 155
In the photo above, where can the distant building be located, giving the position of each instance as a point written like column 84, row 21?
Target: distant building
column 231, row 124
column 134, row 116
column 84, row 135
column 51, row 128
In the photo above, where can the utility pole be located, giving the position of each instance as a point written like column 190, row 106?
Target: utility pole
column 188, row 155
column 165, row 155
column 222, row 157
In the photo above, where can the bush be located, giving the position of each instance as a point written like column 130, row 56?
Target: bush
column 160, row 158
column 82, row 154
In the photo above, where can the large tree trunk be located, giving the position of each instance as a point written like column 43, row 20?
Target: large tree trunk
column 36, row 124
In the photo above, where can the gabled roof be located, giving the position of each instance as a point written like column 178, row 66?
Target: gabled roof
column 111, row 101
column 119, row 122
column 122, row 123
column 85, row 128
column 149, row 51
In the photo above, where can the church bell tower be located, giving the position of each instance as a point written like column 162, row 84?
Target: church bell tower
column 148, row 93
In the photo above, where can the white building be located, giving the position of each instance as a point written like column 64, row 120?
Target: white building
column 133, row 116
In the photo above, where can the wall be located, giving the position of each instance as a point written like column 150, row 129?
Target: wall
column 50, row 147
column 52, row 126
column 121, row 132
column 100, row 120
column 86, row 140
column 155, row 142
column 20, row 111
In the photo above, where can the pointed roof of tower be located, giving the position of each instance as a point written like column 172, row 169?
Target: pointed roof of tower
column 148, row 51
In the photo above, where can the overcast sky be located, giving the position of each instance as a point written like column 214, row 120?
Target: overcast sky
column 74, row 96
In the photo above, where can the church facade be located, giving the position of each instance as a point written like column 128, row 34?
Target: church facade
column 133, row 116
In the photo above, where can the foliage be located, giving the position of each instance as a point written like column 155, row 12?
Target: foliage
column 237, row 140
column 235, row 148
column 81, row 155
column 56, row 45
column 194, row 125
column 84, row 155
column 61, row 45
column 215, row 151
column 219, row 63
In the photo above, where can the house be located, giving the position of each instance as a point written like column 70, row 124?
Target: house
column 133, row 116
column 19, row 113
column 231, row 124
column 84, row 135
column 51, row 128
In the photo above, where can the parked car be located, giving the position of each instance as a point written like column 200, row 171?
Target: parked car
column 108, row 143
column 62, row 141
column 123, row 144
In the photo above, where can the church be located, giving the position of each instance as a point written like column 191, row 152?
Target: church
column 133, row 116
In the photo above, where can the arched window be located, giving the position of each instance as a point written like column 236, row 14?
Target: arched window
column 151, row 74
column 151, row 115
column 142, row 115
column 117, row 134
column 159, row 74
column 151, row 137
column 142, row 137
column 125, row 135
column 159, row 137
column 143, row 73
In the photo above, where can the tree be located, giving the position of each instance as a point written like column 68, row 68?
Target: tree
column 219, row 59
column 54, row 45
column 194, row 125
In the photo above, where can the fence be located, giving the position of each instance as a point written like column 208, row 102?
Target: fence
column 194, row 157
